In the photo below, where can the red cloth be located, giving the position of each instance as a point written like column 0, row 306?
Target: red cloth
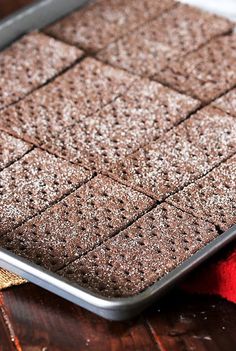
column 217, row 277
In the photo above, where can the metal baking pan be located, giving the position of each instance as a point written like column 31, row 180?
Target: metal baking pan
column 111, row 308
column 37, row 16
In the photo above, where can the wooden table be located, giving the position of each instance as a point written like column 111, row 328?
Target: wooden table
column 32, row 319
column 8, row 6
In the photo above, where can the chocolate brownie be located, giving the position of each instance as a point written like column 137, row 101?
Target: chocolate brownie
column 213, row 197
column 140, row 255
column 206, row 73
column 227, row 102
column 102, row 22
column 11, row 149
column 96, row 211
column 153, row 47
column 116, row 179
column 67, row 100
column 181, row 155
column 29, row 63
column 141, row 114
column 32, row 184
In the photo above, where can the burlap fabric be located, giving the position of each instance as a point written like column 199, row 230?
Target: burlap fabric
column 8, row 279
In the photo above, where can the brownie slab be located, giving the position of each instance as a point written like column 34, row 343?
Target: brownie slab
column 227, row 102
column 29, row 63
column 33, row 183
column 11, row 149
column 213, row 197
column 96, row 211
column 143, row 253
column 68, row 100
column 153, row 47
column 102, row 22
column 206, row 73
column 181, row 155
column 143, row 113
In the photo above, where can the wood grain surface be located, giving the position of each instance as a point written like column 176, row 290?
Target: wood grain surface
column 32, row 319
column 8, row 6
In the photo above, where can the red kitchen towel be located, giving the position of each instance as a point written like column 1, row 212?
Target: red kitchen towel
column 217, row 277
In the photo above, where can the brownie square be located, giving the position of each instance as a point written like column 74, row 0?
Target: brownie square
column 93, row 213
column 150, row 49
column 96, row 25
column 11, row 149
column 68, row 100
column 206, row 73
column 213, row 197
column 143, row 113
column 31, row 62
column 32, row 184
column 227, row 102
column 143, row 253
column 181, row 156
column 101, row 122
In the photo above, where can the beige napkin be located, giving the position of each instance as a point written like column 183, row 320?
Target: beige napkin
column 8, row 279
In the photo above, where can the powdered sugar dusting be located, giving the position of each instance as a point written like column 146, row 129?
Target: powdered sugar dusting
column 11, row 149
column 65, row 102
column 227, row 102
column 205, row 73
column 140, row 255
column 94, row 124
column 32, row 184
column 95, row 26
column 145, row 112
column 213, row 196
column 93, row 213
column 29, row 63
column 181, row 156
column 154, row 46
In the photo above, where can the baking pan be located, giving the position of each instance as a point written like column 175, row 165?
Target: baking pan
column 37, row 16
column 111, row 308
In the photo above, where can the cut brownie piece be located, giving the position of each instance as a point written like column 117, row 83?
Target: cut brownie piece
column 143, row 113
column 68, row 100
column 227, row 102
column 213, row 197
column 93, row 213
column 154, row 46
column 143, row 253
column 11, row 149
column 33, row 183
column 102, row 22
column 206, row 73
column 29, row 63
column 181, row 156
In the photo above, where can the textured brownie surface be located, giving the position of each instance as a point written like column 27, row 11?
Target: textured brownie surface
column 227, row 102
column 11, row 149
column 29, row 63
column 32, row 184
column 181, row 156
column 102, row 22
column 206, row 73
column 141, row 114
column 154, row 46
column 129, row 180
column 68, row 100
column 93, row 213
column 143, row 253
column 212, row 197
